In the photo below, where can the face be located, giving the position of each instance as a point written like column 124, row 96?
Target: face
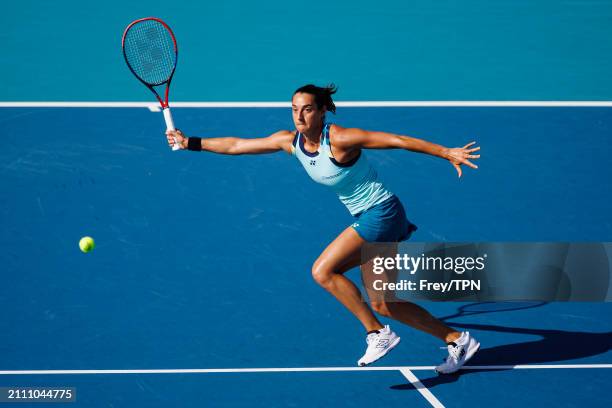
column 306, row 115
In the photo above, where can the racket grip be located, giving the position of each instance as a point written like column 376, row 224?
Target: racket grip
column 170, row 126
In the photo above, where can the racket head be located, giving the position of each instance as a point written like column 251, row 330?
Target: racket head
column 150, row 51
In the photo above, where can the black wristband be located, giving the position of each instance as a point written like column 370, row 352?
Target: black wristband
column 194, row 144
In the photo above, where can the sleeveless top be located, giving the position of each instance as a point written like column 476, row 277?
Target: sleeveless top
column 355, row 182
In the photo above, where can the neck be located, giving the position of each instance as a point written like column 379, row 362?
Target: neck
column 314, row 135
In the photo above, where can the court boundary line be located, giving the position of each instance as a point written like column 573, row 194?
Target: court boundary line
column 294, row 369
column 406, row 371
column 353, row 104
column 418, row 385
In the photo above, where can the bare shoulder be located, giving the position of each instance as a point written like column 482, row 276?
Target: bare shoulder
column 337, row 134
column 283, row 139
column 343, row 138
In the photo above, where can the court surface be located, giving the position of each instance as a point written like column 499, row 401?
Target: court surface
column 199, row 290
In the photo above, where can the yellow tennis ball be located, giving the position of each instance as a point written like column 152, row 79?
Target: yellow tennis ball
column 86, row 244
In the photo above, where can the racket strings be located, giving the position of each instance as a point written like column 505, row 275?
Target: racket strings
column 150, row 51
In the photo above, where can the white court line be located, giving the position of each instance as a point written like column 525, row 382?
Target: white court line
column 421, row 388
column 406, row 371
column 365, row 104
column 212, row 370
column 78, row 105
column 294, row 369
column 535, row 366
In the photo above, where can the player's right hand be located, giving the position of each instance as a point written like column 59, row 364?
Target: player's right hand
column 181, row 139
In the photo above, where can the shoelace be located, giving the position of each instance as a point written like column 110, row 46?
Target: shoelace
column 371, row 337
column 453, row 352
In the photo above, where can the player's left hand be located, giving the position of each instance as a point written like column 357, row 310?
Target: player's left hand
column 461, row 155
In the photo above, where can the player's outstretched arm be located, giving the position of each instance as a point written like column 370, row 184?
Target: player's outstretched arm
column 346, row 138
column 278, row 141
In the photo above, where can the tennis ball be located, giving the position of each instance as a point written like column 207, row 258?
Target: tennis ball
column 86, row 244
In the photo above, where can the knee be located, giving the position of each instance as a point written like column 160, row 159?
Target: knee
column 321, row 274
column 381, row 307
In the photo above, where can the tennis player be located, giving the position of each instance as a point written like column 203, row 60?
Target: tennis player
column 333, row 156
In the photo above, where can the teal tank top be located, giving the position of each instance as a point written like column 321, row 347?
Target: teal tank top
column 355, row 182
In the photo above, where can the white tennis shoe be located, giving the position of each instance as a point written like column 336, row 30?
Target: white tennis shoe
column 379, row 344
column 459, row 352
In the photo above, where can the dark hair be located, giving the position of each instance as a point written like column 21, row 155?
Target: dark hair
column 323, row 95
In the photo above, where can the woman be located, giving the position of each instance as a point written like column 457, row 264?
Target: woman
column 332, row 155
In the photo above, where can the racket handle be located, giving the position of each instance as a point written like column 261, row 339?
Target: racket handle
column 170, row 126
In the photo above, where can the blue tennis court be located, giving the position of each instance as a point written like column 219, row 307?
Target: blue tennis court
column 199, row 290
column 202, row 259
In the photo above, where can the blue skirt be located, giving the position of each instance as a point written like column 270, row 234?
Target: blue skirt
column 385, row 222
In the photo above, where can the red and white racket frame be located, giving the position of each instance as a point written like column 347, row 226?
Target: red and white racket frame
column 162, row 102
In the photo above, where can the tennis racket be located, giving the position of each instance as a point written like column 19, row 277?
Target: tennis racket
column 151, row 53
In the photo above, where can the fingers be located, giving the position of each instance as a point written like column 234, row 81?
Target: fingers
column 172, row 137
column 458, row 168
column 467, row 151
column 461, row 155
column 469, row 163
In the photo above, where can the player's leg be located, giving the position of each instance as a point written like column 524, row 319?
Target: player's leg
column 342, row 254
column 386, row 304
column 387, row 222
column 460, row 346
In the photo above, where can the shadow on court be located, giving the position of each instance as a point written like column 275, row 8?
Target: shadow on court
column 554, row 346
